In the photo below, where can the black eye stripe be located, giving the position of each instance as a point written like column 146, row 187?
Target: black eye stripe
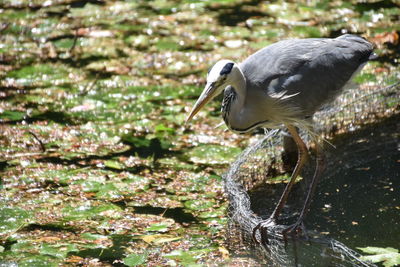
column 226, row 69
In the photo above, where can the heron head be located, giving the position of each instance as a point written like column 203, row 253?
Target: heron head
column 218, row 77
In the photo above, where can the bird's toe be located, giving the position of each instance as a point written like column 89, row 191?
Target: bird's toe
column 262, row 227
column 295, row 230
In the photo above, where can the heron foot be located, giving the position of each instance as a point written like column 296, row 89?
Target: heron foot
column 295, row 230
column 263, row 227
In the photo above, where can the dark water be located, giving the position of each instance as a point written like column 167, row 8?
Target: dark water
column 358, row 198
column 360, row 206
column 359, row 203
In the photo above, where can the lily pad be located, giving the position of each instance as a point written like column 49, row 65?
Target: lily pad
column 39, row 261
column 160, row 227
column 389, row 256
column 41, row 75
column 199, row 204
column 92, row 237
column 213, row 154
column 114, row 164
column 135, row 259
column 183, row 257
column 12, row 115
column 109, row 191
column 173, row 162
column 93, row 241
column 12, row 219
column 83, row 212
column 187, row 258
column 58, row 250
column 23, row 246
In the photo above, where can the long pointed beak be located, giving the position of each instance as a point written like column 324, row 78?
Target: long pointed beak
column 205, row 97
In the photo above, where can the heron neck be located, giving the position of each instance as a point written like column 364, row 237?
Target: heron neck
column 239, row 83
column 234, row 100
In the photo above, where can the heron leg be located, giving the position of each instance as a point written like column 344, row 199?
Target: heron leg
column 302, row 158
column 290, row 153
column 320, row 167
column 263, row 228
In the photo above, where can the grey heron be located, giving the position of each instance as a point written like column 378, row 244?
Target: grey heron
column 285, row 84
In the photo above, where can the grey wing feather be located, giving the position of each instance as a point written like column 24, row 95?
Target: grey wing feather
column 312, row 70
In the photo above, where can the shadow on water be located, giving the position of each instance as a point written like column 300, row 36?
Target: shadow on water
column 110, row 254
column 82, row 3
column 376, row 5
column 54, row 116
column 357, row 199
column 145, row 147
column 139, row 146
column 231, row 15
column 32, row 5
column 178, row 214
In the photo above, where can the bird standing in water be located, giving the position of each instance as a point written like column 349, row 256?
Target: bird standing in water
column 285, row 84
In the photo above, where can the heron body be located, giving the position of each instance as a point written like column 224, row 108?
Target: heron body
column 288, row 81
column 285, row 84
